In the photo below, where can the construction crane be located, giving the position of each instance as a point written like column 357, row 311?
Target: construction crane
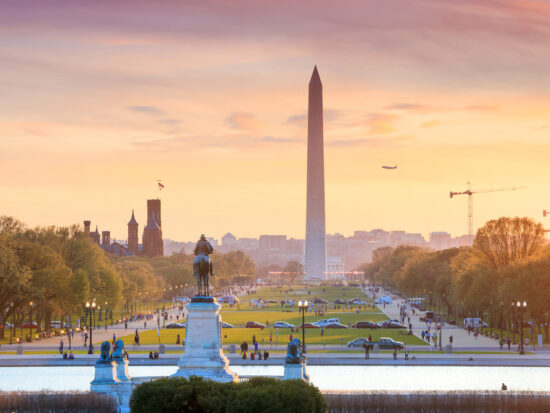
column 469, row 192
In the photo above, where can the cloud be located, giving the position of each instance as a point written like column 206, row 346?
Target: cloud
column 430, row 123
column 243, row 121
column 380, row 123
column 299, row 120
column 411, row 107
column 373, row 141
column 150, row 110
column 227, row 141
column 169, row 121
column 481, row 108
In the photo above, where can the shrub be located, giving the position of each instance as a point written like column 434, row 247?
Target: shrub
column 54, row 402
column 447, row 402
column 266, row 395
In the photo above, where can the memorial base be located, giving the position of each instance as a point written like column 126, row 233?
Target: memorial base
column 203, row 355
column 296, row 372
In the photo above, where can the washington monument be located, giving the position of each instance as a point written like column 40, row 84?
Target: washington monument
column 316, row 254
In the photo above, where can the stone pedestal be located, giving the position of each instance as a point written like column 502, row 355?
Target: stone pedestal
column 203, row 344
column 105, row 373
column 122, row 369
column 295, row 371
column 105, row 380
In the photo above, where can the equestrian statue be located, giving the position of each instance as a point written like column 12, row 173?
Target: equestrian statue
column 202, row 265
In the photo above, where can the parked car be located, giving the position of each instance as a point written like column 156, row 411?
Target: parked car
column 176, row 325
column 226, row 325
column 358, row 342
column 390, row 324
column 339, row 301
column 365, row 324
column 474, row 323
column 254, row 324
column 309, row 325
column 324, row 323
column 27, row 324
column 336, row 325
column 320, row 301
column 282, row 324
column 384, row 343
column 271, row 301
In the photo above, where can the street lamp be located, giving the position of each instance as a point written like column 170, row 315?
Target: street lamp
column 12, row 332
column 90, row 309
column 302, row 305
column 521, row 307
column 106, row 314
column 30, row 324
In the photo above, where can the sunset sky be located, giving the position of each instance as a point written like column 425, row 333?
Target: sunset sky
column 99, row 99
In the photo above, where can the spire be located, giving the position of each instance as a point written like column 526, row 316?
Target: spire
column 133, row 219
column 96, row 231
column 315, row 78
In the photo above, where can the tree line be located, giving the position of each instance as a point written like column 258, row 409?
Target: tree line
column 508, row 262
column 55, row 270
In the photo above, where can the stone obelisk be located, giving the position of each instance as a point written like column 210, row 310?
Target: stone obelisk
column 316, row 259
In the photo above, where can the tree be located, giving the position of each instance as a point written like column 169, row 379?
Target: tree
column 506, row 240
column 292, row 270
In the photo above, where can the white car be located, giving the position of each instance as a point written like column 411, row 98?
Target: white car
column 282, row 324
column 324, row 323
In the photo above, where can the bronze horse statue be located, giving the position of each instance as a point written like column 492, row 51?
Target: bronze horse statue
column 202, row 265
column 201, row 268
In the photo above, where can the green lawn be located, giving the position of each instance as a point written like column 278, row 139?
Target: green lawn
column 313, row 336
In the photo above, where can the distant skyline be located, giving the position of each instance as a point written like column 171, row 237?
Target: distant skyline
column 99, row 100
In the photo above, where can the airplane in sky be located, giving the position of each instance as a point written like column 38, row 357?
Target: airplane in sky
column 389, row 167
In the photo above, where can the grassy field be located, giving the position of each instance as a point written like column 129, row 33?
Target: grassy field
column 239, row 315
column 313, row 336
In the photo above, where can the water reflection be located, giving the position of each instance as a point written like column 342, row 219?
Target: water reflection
column 325, row 377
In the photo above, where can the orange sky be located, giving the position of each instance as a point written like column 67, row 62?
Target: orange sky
column 99, row 100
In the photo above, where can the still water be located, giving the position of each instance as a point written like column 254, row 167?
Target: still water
column 391, row 378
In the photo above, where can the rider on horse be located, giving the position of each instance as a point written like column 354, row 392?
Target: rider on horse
column 203, row 247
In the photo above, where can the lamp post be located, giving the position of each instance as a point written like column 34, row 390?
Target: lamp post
column 12, row 328
column 514, row 322
column 106, row 314
column 302, row 305
column 521, row 307
column 30, row 323
column 90, row 308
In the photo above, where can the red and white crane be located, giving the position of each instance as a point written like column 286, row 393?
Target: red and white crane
column 470, row 194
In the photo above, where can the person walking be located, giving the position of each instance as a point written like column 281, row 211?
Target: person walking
column 508, row 343
column 367, row 350
column 61, row 347
column 85, row 338
column 136, row 338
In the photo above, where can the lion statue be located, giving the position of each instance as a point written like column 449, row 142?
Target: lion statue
column 105, row 357
column 294, row 352
column 118, row 352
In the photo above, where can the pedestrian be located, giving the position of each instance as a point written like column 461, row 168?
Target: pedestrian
column 126, row 325
column 85, row 338
column 256, row 347
column 370, row 338
column 253, row 338
column 61, row 347
column 270, row 339
column 322, row 331
column 114, row 339
column 178, row 339
column 290, row 337
column 406, row 354
column 501, row 343
column 423, row 334
column 367, row 350
column 508, row 342
column 395, row 354
column 136, row 338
